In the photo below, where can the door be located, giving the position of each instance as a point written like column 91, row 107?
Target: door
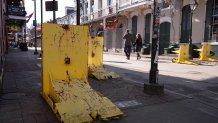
column 164, row 39
column 134, row 27
column 147, row 29
column 186, row 24
column 209, row 12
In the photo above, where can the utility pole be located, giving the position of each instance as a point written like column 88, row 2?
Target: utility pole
column 35, row 24
column 77, row 12
column 41, row 13
column 190, row 38
column 54, row 15
column 41, row 23
column 153, row 87
column 193, row 6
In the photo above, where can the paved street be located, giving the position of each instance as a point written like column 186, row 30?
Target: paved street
column 186, row 80
column 197, row 85
column 191, row 92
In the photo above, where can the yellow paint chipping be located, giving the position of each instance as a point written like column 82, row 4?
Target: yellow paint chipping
column 205, row 53
column 95, row 60
column 100, row 73
column 80, row 101
column 65, row 72
column 183, row 56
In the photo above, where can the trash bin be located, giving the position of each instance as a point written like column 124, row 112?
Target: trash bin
column 23, row 46
column 195, row 53
column 146, row 49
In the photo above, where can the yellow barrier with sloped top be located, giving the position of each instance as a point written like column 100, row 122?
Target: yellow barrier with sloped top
column 205, row 53
column 95, row 51
column 183, row 56
column 65, row 72
column 95, row 60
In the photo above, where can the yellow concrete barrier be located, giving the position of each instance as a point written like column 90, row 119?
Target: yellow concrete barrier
column 65, row 72
column 95, row 60
column 205, row 53
column 183, row 56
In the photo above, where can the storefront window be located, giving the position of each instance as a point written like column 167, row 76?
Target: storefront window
column 211, row 21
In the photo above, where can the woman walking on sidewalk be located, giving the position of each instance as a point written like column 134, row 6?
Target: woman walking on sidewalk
column 138, row 44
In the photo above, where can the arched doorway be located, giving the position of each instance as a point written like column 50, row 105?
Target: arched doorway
column 186, row 24
column 134, row 26
column 164, row 39
column 147, row 29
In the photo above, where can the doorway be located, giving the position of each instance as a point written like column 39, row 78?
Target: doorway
column 164, row 39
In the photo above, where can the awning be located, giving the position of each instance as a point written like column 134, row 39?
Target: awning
column 16, row 17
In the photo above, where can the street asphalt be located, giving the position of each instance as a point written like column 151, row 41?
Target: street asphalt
column 190, row 96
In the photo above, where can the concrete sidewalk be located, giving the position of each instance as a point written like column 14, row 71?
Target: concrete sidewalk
column 21, row 102
column 20, row 99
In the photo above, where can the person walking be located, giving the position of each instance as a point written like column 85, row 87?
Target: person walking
column 138, row 44
column 128, row 43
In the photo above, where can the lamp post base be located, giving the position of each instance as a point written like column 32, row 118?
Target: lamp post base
column 36, row 53
column 154, row 89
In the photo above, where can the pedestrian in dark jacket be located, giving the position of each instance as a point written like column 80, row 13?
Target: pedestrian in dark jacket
column 128, row 43
column 138, row 44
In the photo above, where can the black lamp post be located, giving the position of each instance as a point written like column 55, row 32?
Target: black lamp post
column 41, row 13
column 193, row 6
column 77, row 12
column 35, row 24
column 153, row 87
column 54, row 13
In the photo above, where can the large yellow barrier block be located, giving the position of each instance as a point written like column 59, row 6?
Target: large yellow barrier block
column 95, row 60
column 183, row 55
column 65, row 73
column 205, row 53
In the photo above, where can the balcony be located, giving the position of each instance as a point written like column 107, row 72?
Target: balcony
column 68, row 19
column 123, row 4
column 110, row 10
column 16, row 10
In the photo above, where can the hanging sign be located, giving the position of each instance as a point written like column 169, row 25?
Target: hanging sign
column 110, row 23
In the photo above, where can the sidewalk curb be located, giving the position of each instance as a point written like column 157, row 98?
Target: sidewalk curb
column 162, row 57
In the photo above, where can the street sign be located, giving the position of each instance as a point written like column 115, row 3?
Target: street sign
column 49, row 6
column 34, row 23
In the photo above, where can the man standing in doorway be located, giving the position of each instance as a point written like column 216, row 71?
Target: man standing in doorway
column 128, row 43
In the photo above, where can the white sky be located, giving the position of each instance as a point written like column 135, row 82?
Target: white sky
column 29, row 6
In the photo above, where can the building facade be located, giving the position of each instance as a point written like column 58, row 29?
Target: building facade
column 176, row 25
column 112, row 17
column 3, row 33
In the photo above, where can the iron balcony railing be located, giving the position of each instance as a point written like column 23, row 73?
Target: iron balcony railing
column 16, row 10
column 112, row 9
column 126, row 3
column 68, row 19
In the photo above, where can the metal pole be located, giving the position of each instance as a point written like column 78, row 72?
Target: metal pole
column 41, row 24
column 36, row 52
column 155, row 45
column 77, row 12
column 25, row 33
column 54, row 16
column 190, row 38
column 41, row 13
column 153, row 87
